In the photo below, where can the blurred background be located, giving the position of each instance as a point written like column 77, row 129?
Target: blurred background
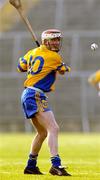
column 75, row 103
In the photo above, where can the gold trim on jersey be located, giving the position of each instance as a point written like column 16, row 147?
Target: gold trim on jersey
column 41, row 104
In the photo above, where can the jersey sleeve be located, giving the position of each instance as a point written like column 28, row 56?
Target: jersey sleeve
column 22, row 63
column 61, row 66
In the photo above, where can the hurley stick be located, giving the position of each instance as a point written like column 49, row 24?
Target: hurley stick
column 17, row 4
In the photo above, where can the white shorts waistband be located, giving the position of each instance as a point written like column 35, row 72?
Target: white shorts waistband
column 36, row 89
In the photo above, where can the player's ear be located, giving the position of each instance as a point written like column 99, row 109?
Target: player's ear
column 44, row 41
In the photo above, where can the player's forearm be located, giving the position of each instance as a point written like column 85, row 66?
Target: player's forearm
column 20, row 69
column 22, row 65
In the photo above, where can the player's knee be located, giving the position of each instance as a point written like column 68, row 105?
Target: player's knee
column 55, row 129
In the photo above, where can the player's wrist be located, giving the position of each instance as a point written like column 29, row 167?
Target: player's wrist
column 68, row 69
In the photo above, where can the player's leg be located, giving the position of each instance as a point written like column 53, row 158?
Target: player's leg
column 31, row 101
column 47, row 120
column 41, row 134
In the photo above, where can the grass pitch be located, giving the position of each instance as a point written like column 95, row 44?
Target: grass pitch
column 80, row 152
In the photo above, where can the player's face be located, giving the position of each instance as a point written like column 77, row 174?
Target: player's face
column 54, row 44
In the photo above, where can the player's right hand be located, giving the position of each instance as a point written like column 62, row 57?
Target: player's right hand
column 68, row 69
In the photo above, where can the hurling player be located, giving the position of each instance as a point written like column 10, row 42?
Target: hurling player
column 42, row 65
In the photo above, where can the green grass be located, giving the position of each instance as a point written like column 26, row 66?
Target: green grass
column 80, row 152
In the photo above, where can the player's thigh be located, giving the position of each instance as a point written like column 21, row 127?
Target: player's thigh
column 47, row 120
column 38, row 127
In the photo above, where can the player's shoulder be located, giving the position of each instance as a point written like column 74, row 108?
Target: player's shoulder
column 94, row 77
column 57, row 56
column 97, row 74
column 32, row 52
column 29, row 52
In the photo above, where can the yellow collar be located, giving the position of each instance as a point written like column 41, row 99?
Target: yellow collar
column 43, row 47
